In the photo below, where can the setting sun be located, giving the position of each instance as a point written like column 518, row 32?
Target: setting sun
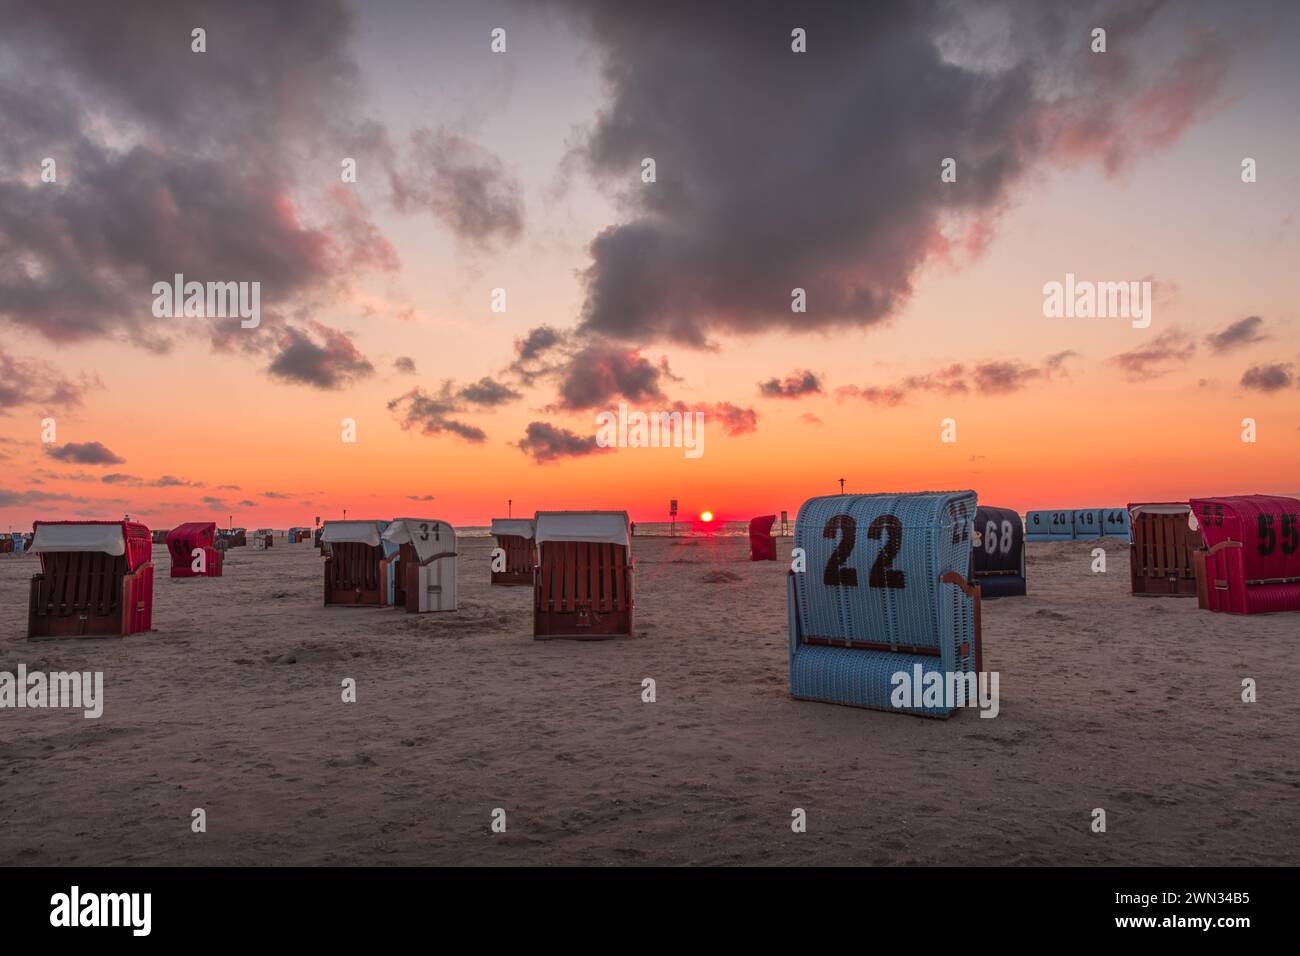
column 706, row 515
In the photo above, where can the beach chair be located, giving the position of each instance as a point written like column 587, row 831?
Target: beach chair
column 1089, row 523
column 1162, row 549
column 1049, row 526
column 582, row 586
column 96, row 579
column 238, row 538
column 883, row 591
column 354, row 552
column 1116, row 524
column 6, row 545
column 515, row 537
column 1251, row 563
column 423, row 570
column 998, row 553
column 761, row 545
column 186, row 539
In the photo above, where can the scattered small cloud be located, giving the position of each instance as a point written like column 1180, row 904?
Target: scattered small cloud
column 544, row 442
column 797, row 384
column 1268, row 378
column 84, row 453
column 319, row 356
column 1169, row 348
column 1241, row 333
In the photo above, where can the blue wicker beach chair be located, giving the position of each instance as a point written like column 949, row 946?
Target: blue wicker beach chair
column 884, row 591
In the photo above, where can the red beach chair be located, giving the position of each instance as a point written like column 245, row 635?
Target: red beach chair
column 582, row 587
column 184, row 540
column 1251, row 564
column 761, row 545
column 96, row 579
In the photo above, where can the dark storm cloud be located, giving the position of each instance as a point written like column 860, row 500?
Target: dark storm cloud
column 322, row 357
column 778, row 170
column 1171, row 347
column 84, row 453
column 171, row 161
column 404, row 364
column 1268, row 378
column 602, row 372
column 460, row 182
column 1240, row 333
column 544, row 442
column 795, row 385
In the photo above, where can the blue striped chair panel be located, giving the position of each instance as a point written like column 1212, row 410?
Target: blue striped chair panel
column 1115, row 523
column 1049, row 526
column 1088, row 522
column 872, row 588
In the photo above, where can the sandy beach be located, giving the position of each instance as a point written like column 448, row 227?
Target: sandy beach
column 233, row 704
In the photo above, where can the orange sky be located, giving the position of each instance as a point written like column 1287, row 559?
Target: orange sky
column 1082, row 433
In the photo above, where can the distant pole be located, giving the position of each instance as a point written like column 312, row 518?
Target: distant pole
column 510, row 507
column 345, row 514
column 841, row 486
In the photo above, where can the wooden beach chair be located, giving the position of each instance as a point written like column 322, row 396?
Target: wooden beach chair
column 423, row 571
column 998, row 553
column 1162, row 549
column 355, row 550
column 1251, row 563
column 883, row 591
column 515, row 537
column 582, row 587
column 186, row 539
column 96, row 579
column 761, row 545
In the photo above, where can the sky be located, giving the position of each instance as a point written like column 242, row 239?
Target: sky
column 519, row 173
